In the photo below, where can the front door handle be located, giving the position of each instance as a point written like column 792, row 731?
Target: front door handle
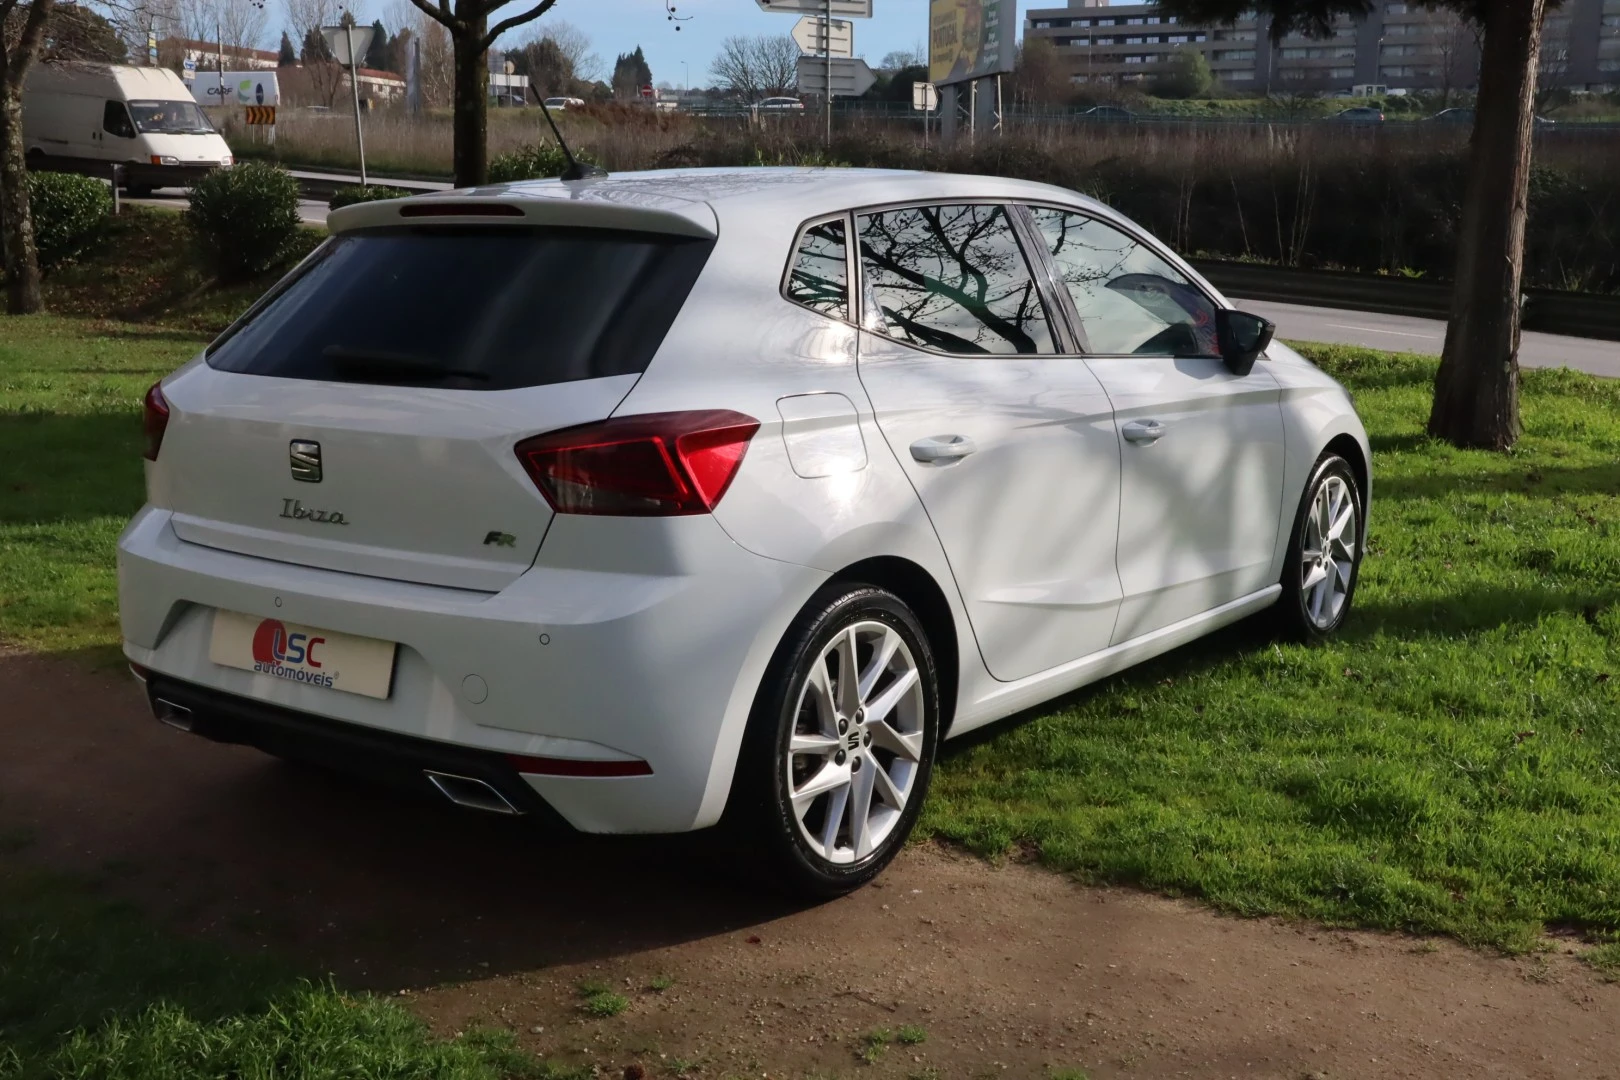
column 1143, row 431
column 942, row 448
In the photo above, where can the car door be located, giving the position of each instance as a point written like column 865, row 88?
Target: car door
column 1201, row 449
column 1005, row 433
column 115, row 141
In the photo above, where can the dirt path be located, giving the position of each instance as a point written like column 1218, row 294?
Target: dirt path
column 1010, row 971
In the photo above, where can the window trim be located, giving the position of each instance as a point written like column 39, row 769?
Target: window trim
column 1061, row 339
column 851, row 263
column 1069, row 309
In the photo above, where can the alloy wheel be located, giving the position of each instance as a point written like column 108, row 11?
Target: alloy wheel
column 1327, row 548
column 855, row 752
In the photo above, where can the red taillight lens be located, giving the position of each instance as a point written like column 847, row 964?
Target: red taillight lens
column 155, row 419
column 653, row 465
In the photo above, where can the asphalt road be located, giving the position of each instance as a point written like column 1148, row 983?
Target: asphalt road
column 1404, row 333
column 1401, row 333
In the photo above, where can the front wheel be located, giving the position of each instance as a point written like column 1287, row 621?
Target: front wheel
column 840, row 745
column 1324, row 552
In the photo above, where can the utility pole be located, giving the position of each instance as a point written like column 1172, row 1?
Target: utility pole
column 827, row 46
column 354, row 85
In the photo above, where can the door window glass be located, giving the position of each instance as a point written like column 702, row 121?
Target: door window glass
column 115, row 119
column 820, row 276
column 1130, row 300
column 952, row 278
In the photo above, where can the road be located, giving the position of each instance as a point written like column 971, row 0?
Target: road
column 1402, row 333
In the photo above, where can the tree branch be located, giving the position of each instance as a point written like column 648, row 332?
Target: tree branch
column 28, row 42
column 439, row 13
column 515, row 21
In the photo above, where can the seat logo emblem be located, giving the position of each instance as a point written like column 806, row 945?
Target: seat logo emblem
column 305, row 455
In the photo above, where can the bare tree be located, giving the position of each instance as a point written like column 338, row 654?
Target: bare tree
column 572, row 43
column 324, row 75
column 239, row 25
column 756, row 67
column 22, row 32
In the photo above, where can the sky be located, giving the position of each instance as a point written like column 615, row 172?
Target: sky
column 616, row 26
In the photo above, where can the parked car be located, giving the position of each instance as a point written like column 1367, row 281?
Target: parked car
column 669, row 499
column 775, row 104
column 87, row 118
column 1361, row 114
column 1466, row 116
column 1108, row 114
column 564, row 102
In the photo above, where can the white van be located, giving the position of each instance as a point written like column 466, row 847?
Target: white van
column 82, row 117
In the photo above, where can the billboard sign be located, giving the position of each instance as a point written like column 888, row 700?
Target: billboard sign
column 239, row 88
column 969, row 39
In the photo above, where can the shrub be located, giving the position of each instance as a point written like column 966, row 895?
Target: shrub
column 538, row 162
column 357, row 193
column 244, row 219
column 70, row 215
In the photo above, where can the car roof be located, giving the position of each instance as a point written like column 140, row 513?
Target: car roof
column 699, row 201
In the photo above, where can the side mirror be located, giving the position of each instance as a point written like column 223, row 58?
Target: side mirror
column 1242, row 338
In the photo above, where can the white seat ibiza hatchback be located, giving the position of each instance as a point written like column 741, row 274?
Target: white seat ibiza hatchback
column 651, row 500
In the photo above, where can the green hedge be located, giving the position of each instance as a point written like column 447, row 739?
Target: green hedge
column 244, row 219
column 357, row 193
column 538, row 162
column 70, row 215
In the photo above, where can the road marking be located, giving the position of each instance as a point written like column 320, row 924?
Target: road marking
column 1375, row 330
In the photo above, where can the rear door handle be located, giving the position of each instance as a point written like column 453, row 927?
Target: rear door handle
column 942, row 448
column 1143, row 431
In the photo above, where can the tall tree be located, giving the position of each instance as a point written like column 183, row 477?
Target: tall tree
column 756, row 67
column 1476, row 394
column 22, row 32
column 381, row 48
column 469, row 24
column 288, row 56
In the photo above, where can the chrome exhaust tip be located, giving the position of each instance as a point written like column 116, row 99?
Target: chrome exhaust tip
column 470, row 792
column 176, row 716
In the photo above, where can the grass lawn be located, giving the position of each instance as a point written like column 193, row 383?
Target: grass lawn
column 1448, row 764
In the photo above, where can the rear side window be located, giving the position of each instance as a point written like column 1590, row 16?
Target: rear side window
column 470, row 308
column 952, row 278
column 820, row 276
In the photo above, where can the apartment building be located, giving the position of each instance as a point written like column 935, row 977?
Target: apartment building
column 1400, row 45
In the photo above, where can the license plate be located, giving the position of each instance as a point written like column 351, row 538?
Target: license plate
column 302, row 654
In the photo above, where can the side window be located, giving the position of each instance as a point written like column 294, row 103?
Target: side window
column 820, row 276
column 1129, row 299
column 115, row 119
column 952, row 278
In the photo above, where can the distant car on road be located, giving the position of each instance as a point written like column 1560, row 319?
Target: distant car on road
column 780, row 104
column 1108, row 114
column 564, row 102
column 1361, row 114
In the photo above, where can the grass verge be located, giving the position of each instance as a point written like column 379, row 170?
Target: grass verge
column 1446, row 764
column 88, row 991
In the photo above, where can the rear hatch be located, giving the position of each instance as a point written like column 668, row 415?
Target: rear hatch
column 362, row 417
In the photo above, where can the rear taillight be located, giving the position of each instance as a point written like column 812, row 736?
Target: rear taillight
column 155, row 419
column 653, row 465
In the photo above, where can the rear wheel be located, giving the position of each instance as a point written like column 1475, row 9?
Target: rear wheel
column 1324, row 552
column 840, row 746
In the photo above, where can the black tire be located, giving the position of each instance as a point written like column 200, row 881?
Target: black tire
column 760, row 813
column 138, row 191
column 1297, row 617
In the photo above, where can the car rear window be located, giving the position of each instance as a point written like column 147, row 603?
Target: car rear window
column 469, row 308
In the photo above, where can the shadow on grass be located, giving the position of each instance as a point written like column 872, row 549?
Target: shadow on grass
column 1508, row 477
column 64, row 468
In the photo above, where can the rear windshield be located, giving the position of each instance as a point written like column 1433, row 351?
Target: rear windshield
column 469, row 308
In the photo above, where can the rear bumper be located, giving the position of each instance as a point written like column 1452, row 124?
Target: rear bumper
column 398, row 760
column 654, row 653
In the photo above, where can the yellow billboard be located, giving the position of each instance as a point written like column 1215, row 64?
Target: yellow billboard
column 969, row 39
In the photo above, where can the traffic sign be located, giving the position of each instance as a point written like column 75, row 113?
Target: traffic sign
column 849, row 9
column 924, row 96
column 850, row 78
column 810, row 34
column 261, row 114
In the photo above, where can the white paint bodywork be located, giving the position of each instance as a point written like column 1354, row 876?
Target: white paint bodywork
column 1063, row 551
column 63, row 108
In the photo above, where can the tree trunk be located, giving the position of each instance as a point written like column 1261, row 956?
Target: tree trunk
column 471, row 110
column 16, row 220
column 1476, row 395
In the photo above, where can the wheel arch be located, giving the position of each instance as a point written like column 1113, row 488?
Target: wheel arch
column 919, row 591
column 1345, row 445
